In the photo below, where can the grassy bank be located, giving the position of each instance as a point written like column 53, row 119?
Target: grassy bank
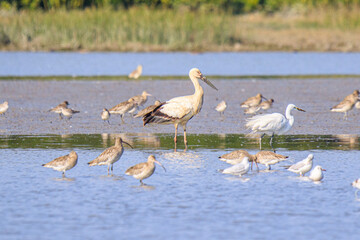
column 144, row 29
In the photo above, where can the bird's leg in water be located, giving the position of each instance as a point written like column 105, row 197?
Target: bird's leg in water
column 271, row 140
column 261, row 139
column 175, row 138
column 185, row 140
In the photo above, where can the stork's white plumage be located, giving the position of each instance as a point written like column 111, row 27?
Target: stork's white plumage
column 180, row 110
column 274, row 123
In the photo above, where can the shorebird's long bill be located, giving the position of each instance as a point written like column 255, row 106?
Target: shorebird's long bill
column 299, row 109
column 160, row 165
column 128, row 144
column 323, row 169
column 208, row 83
column 264, row 98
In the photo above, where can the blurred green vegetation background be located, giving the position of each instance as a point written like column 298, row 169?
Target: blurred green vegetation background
column 232, row 6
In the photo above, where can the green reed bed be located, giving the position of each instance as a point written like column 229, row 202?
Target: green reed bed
column 148, row 29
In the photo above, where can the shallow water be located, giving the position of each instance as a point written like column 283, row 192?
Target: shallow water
column 190, row 200
column 164, row 64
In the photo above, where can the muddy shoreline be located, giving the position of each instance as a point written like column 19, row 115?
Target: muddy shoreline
column 30, row 101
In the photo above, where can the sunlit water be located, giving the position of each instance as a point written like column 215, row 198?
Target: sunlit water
column 190, row 200
column 260, row 63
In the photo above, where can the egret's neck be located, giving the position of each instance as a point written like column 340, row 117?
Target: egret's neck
column 198, row 95
column 289, row 116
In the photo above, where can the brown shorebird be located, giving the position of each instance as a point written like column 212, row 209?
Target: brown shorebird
column 4, row 107
column 136, row 73
column 221, row 107
column 105, row 115
column 110, row 156
column 147, row 109
column 266, row 158
column 58, row 109
column 252, row 110
column 123, row 108
column 347, row 104
column 140, row 100
column 68, row 112
column 265, row 105
column 180, row 110
column 253, row 101
column 144, row 170
column 63, row 163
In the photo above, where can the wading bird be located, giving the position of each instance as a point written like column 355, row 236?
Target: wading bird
column 180, row 110
column 221, row 107
column 63, row 163
column 110, row 156
column 317, row 173
column 266, row 104
column 4, row 107
column 58, row 109
column 123, row 108
column 347, row 104
column 144, row 170
column 252, row 101
column 105, row 115
column 271, row 124
column 136, row 73
column 303, row 166
column 68, row 112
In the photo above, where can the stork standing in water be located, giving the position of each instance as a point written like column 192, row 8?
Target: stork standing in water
column 180, row 110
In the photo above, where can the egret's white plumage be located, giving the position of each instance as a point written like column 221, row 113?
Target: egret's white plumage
column 180, row 110
column 303, row 166
column 317, row 173
column 239, row 168
column 271, row 124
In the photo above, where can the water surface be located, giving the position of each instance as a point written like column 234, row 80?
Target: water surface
column 165, row 64
column 190, row 200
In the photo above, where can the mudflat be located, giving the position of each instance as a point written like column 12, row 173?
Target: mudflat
column 29, row 102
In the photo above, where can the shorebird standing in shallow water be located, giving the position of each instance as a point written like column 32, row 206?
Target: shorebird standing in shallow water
column 303, row 166
column 68, row 112
column 266, row 158
column 144, row 170
column 180, row 110
column 136, row 73
column 110, row 156
column 221, row 108
column 105, row 115
column 148, row 109
column 63, row 163
column 347, row 104
column 317, row 174
column 252, row 101
column 4, row 107
column 271, row 124
column 123, row 108
column 58, row 109
column 266, row 104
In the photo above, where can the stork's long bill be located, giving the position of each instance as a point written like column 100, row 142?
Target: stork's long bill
column 208, row 82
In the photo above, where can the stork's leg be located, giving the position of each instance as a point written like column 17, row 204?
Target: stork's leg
column 175, row 138
column 185, row 140
column 271, row 140
column 261, row 139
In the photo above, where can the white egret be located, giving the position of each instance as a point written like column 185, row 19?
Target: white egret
column 271, row 124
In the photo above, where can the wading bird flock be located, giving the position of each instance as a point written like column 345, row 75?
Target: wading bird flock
column 179, row 110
